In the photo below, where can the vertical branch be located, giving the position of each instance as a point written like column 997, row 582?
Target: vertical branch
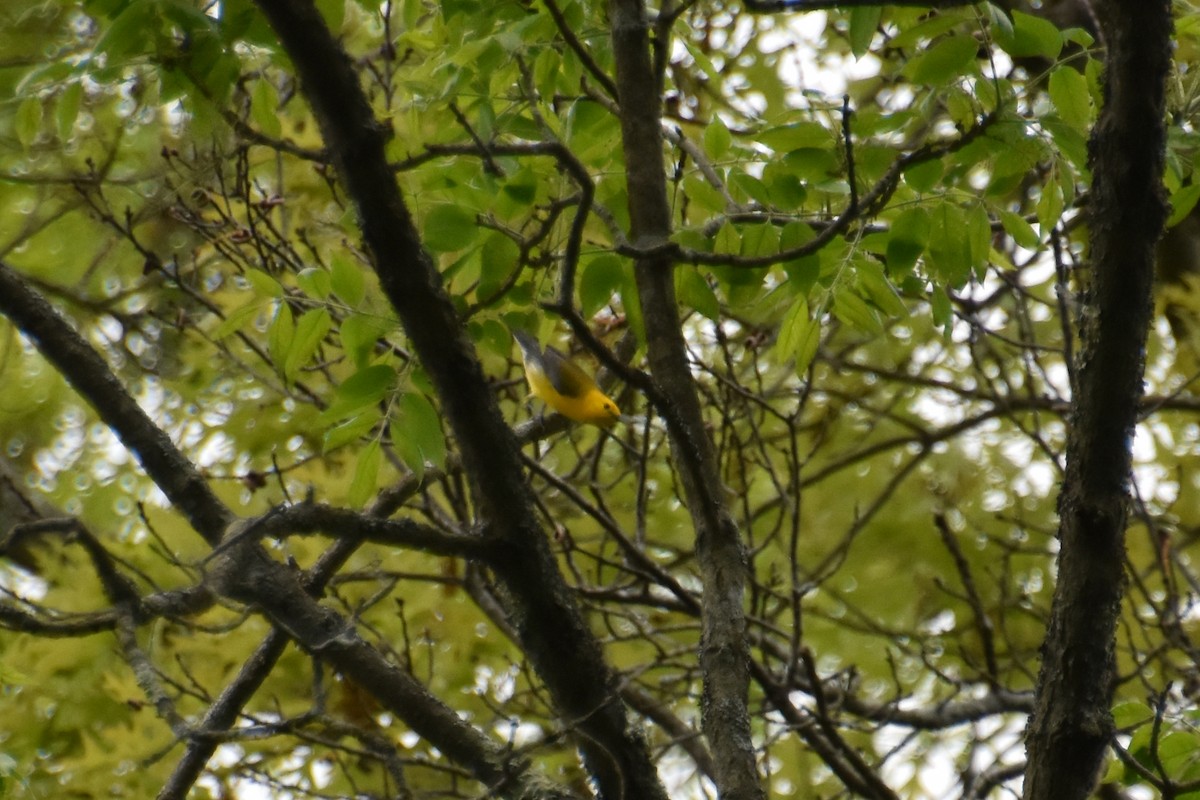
column 1072, row 726
column 851, row 178
column 724, row 654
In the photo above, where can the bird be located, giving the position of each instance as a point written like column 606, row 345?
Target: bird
column 562, row 385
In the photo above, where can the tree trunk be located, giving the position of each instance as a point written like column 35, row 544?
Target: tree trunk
column 1071, row 725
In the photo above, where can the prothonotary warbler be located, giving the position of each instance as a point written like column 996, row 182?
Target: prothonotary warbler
column 563, row 386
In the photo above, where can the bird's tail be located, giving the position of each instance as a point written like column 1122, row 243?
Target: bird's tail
column 529, row 344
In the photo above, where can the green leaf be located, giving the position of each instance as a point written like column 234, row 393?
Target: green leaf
column 945, row 61
column 1071, row 141
column 315, row 282
column 590, row 133
column 601, row 279
column 1130, row 714
column 242, row 22
column 264, row 108
column 759, row 240
column 492, row 335
column 813, row 164
column 311, row 329
column 1078, row 36
column 792, row 329
column 1069, row 93
column 350, row 430
column 1029, row 37
column 943, row 311
column 521, row 188
column 717, row 139
column 926, row 176
column 1050, row 204
column 1094, row 75
column 28, row 121
column 798, row 136
column 1001, row 27
column 979, row 237
column 334, row 12
column 962, row 107
column 280, row 335
column 878, row 288
column 632, row 306
column 408, row 451
column 360, row 333
column 1021, row 231
column 854, row 311
column 702, row 60
column 784, row 187
column 802, row 272
column 908, row 236
column 1017, row 151
column 949, row 249
column 1182, row 203
column 130, row 31
column 237, row 319
column 1177, row 751
column 914, row 33
column 799, row 336
column 449, row 228
column 67, row 110
column 864, row 21
column 498, row 257
column 362, row 389
column 366, row 475
column 727, row 239
column 263, row 284
column 694, row 291
column 417, row 434
column 346, row 279
column 754, row 188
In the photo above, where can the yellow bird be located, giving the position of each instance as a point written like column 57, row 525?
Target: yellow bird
column 563, row 386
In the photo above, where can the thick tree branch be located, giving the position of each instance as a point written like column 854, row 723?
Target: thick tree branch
column 85, row 370
column 245, row 572
column 552, row 630
column 222, row 714
column 224, row 711
column 344, row 523
column 1071, row 725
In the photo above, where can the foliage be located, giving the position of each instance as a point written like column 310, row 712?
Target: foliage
column 879, row 299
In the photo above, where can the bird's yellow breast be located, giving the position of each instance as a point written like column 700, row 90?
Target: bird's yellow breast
column 592, row 406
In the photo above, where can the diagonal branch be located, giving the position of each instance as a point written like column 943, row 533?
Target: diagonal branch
column 87, row 372
column 245, row 572
column 553, row 632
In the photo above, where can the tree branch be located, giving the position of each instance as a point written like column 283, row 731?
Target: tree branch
column 244, row 572
column 724, row 653
column 86, row 371
column 775, row 6
column 1072, row 726
column 552, row 630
